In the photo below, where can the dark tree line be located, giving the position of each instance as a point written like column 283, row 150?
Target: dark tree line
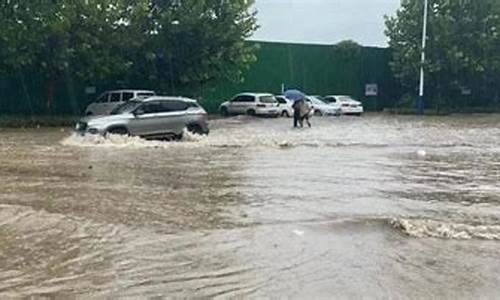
column 172, row 45
column 463, row 51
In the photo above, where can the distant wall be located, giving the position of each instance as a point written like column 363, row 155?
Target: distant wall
column 315, row 69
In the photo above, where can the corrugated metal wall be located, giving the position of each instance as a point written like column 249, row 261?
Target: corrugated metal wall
column 315, row 69
column 318, row 70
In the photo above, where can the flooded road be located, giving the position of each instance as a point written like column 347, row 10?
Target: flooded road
column 378, row 206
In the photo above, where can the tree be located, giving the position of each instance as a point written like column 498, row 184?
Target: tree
column 195, row 42
column 348, row 49
column 173, row 45
column 86, row 40
column 462, row 49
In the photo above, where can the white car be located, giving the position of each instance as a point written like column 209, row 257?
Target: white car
column 109, row 100
column 321, row 108
column 285, row 106
column 347, row 104
column 253, row 104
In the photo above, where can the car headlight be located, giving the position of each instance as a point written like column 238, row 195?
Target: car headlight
column 81, row 126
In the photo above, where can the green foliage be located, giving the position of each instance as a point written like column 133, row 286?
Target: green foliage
column 172, row 43
column 348, row 49
column 407, row 101
column 195, row 42
column 88, row 39
column 462, row 49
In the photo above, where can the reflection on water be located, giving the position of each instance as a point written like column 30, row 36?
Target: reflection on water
column 380, row 205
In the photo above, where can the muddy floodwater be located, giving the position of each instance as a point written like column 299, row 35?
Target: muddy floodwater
column 375, row 207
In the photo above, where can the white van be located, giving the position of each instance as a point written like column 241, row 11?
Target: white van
column 109, row 100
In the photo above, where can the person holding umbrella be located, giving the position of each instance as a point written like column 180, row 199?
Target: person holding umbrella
column 298, row 99
column 305, row 112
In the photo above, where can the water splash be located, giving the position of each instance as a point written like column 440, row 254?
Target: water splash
column 221, row 140
column 122, row 141
column 421, row 153
column 422, row 228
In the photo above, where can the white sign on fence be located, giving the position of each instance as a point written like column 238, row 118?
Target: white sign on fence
column 371, row 89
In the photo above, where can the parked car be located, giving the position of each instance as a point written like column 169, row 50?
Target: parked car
column 285, row 106
column 347, row 104
column 109, row 100
column 251, row 104
column 321, row 108
column 151, row 118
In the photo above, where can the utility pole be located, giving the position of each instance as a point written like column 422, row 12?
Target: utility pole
column 422, row 75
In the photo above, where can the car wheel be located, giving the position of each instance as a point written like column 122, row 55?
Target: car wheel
column 178, row 137
column 251, row 112
column 318, row 113
column 224, row 112
column 285, row 114
column 118, row 131
column 195, row 128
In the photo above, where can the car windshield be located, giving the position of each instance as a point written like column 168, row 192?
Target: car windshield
column 267, row 99
column 345, row 98
column 316, row 101
column 145, row 95
column 282, row 100
column 126, row 108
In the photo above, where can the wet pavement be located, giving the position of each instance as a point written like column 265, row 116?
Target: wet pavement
column 378, row 206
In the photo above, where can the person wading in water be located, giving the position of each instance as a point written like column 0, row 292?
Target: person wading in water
column 301, row 109
column 297, row 108
column 305, row 113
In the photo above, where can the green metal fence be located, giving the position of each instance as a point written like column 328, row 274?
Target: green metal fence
column 315, row 69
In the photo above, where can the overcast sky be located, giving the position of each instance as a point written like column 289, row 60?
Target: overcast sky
column 324, row 21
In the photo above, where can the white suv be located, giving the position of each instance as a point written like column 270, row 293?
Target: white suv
column 251, row 104
column 111, row 99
